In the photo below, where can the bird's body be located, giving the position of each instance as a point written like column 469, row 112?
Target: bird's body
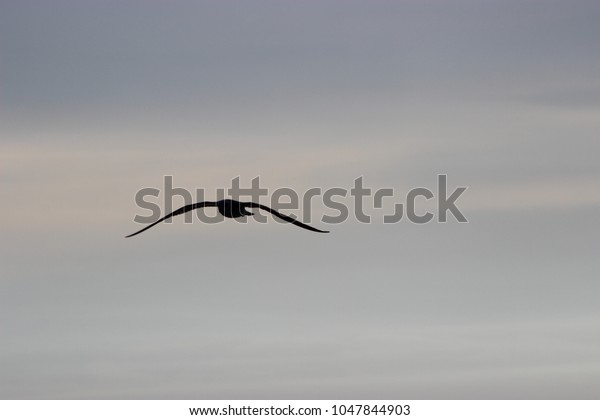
column 232, row 209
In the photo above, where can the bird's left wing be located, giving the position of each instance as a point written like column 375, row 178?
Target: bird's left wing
column 182, row 210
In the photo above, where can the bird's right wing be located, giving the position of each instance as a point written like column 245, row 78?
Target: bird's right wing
column 177, row 212
column 284, row 217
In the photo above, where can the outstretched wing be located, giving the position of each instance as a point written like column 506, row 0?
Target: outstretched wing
column 284, row 217
column 177, row 212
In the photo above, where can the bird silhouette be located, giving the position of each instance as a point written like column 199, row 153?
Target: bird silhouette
column 232, row 209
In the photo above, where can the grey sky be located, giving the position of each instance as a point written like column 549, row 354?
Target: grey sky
column 99, row 99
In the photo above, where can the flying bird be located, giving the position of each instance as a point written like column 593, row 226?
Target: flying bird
column 231, row 209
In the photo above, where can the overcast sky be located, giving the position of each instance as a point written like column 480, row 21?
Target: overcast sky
column 101, row 98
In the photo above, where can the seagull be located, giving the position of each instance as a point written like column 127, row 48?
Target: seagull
column 231, row 209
